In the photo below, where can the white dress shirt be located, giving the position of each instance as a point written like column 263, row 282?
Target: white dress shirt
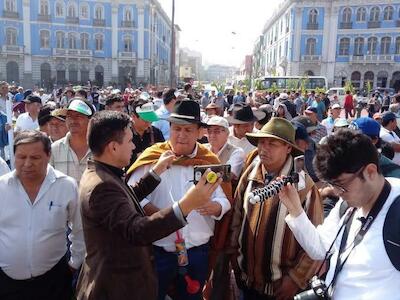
column 175, row 182
column 33, row 236
column 4, row 169
column 391, row 137
column 25, row 122
column 368, row 273
column 242, row 143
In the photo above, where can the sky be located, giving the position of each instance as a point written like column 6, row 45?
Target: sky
column 224, row 31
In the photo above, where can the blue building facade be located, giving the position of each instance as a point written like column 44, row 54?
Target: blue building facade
column 55, row 42
column 342, row 40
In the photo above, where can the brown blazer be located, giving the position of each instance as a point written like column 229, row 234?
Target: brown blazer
column 119, row 262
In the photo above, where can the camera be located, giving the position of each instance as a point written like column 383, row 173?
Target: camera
column 318, row 291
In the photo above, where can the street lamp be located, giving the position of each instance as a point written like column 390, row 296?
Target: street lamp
column 172, row 60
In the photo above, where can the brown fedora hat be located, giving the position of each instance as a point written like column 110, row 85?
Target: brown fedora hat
column 277, row 128
column 244, row 114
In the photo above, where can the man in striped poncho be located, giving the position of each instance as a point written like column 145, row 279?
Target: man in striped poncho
column 268, row 262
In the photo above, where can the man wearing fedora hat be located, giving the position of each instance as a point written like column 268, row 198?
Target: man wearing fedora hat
column 185, row 127
column 242, row 120
column 268, row 262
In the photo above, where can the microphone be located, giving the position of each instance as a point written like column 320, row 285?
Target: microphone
column 273, row 188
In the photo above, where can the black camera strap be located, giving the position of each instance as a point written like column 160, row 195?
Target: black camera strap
column 366, row 225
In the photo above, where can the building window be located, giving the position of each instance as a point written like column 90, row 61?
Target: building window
column 44, row 8
column 361, row 14
column 385, row 45
column 359, row 46
column 128, row 14
column 60, row 36
column 71, row 40
column 127, row 43
column 312, row 16
column 398, row 45
column 344, row 46
column 99, row 42
column 346, row 17
column 388, row 13
column 99, row 12
column 10, row 5
column 84, row 41
column 11, row 36
column 44, row 39
column 372, row 44
column 368, row 77
column 356, row 79
column 59, row 9
column 310, row 46
column 374, row 14
column 71, row 12
column 84, row 14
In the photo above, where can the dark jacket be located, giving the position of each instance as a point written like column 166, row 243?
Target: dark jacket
column 119, row 262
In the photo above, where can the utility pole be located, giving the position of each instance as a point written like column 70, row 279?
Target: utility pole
column 172, row 60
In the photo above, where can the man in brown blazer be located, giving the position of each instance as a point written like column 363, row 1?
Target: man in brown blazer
column 118, row 236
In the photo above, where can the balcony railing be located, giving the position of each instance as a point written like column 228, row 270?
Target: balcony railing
column 374, row 24
column 127, row 55
column 44, row 18
column 10, row 14
column 311, row 58
column 72, row 52
column 99, row 22
column 129, row 24
column 398, row 23
column 346, row 25
column 72, row 20
column 312, row 26
column 12, row 49
column 372, row 58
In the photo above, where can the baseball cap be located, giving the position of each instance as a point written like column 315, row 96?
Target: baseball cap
column 218, row 121
column 336, row 106
column 301, row 131
column 33, row 99
column 388, row 116
column 146, row 112
column 367, row 126
column 311, row 110
column 306, row 122
column 80, row 106
column 341, row 122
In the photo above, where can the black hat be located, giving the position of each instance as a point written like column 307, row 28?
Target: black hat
column 33, row 99
column 185, row 112
column 45, row 114
column 245, row 114
column 27, row 93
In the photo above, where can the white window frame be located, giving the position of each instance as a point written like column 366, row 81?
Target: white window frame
column 96, row 8
column 96, row 43
column 62, row 45
column 87, row 42
column 43, row 46
column 10, row 5
column 14, row 40
column 62, row 7
column 125, row 38
column 45, row 13
column 363, row 14
column 75, row 7
column 81, row 6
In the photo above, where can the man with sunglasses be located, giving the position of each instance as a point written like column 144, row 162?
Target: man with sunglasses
column 361, row 266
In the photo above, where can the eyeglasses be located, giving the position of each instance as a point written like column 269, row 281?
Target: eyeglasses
column 340, row 189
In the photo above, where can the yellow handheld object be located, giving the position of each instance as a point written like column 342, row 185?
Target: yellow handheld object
column 212, row 177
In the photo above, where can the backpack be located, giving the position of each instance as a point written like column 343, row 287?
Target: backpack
column 391, row 230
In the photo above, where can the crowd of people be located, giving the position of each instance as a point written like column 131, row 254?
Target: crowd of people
column 102, row 203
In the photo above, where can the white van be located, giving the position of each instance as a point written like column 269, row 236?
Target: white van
column 339, row 91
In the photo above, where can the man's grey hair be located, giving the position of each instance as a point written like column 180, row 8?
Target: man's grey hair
column 32, row 136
